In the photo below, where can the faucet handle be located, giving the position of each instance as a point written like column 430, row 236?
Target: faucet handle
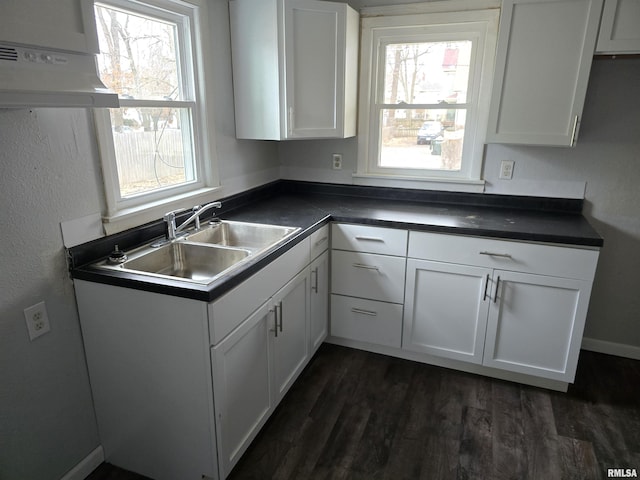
column 172, row 214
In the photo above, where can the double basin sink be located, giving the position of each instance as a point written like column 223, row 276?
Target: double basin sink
column 203, row 255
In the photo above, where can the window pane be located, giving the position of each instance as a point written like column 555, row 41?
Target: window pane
column 422, row 139
column 428, row 72
column 153, row 148
column 138, row 56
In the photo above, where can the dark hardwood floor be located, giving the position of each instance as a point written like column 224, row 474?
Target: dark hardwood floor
column 357, row 415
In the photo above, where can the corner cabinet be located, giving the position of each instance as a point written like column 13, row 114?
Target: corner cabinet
column 543, row 61
column 619, row 28
column 294, row 68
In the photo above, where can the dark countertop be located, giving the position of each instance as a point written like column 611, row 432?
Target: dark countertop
column 309, row 207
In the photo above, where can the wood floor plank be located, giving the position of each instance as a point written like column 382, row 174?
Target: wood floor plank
column 509, row 457
column 578, row 460
column 476, row 454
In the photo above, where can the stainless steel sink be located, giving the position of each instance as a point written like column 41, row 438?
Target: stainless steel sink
column 197, row 263
column 253, row 236
column 204, row 255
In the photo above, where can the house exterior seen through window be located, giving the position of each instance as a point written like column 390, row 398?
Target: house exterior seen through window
column 434, row 75
column 425, row 91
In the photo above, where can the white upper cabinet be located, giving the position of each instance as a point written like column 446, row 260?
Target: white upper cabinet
column 620, row 27
column 544, row 55
column 294, row 68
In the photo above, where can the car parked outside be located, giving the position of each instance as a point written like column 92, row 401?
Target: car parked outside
column 428, row 132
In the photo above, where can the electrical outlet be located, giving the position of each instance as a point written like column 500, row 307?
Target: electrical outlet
column 37, row 320
column 506, row 169
column 337, row 161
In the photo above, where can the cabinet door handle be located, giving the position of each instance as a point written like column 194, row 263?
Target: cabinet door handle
column 493, row 254
column 275, row 319
column 495, row 299
column 369, row 239
column 323, row 239
column 366, row 267
column 486, row 286
column 364, row 312
column 279, row 309
column 314, row 285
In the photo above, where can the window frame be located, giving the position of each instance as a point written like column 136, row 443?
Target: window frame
column 398, row 26
column 194, row 73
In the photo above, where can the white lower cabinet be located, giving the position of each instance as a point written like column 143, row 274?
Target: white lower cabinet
column 242, row 384
column 254, row 367
column 446, row 309
column 290, row 333
column 367, row 283
column 512, row 318
column 535, row 324
column 319, row 302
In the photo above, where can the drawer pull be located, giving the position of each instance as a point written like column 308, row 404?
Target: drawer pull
column 366, row 267
column 369, row 239
column 493, row 254
column 364, row 312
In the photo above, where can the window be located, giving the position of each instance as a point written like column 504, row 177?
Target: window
column 152, row 147
column 425, row 97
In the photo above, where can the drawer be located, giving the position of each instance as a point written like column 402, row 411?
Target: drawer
column 366, row 275
column 319, row 241
column 560, row 261
column 363, row 238
column 366, row 320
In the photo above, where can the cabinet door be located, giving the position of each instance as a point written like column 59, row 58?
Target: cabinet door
column 542, row 69
column 242, row 386
column 290, row 337
column 535, row 324
column 319, row 301
column 446, row 309
column 314, row 46
column 620, row 27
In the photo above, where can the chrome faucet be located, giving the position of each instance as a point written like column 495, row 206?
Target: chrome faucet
column 170, row 219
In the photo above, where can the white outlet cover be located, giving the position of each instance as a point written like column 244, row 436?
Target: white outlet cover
column 37, row 320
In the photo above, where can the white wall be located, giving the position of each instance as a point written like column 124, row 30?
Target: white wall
column 49, row 173
column 607, row 158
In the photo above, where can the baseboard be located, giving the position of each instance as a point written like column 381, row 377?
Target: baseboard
column 86, row 465
column 611, row 348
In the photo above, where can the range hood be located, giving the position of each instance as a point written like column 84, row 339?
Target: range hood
column 33, row 76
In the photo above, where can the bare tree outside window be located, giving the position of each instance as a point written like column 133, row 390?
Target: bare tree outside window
column 152, row 130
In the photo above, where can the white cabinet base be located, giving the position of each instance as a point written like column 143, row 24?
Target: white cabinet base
column 450, row 363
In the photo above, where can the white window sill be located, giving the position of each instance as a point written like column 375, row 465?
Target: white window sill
column 139, row 215
column 442, row 184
